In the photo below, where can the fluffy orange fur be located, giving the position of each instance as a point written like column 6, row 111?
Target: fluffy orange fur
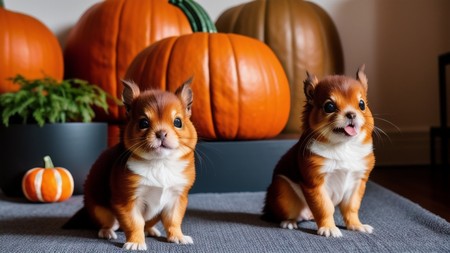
column 330, row 164
column 147, row 176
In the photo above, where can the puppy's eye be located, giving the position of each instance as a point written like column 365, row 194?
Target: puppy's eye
column 144, row 124
column 329, row 107
column 362, row 105
column 177, row 123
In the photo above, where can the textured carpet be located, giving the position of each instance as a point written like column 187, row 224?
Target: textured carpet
column 230, row 222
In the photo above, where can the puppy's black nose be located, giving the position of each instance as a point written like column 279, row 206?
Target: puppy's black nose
column 350, row 115
column 161, row 134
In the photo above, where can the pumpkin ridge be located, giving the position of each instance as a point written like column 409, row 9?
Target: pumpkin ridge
column 163, row 83
column 58, row 182
column 239, row 11
column 116, row 51
column 236, row 63
column 26, row 37
column 68, row 176
column 38, row 184
column 233, row 17
column 169, row 60
column 275, row 92
column 8, row 52
column 267, row 34
column 142, row 77
column 332, row 43
column 212, row 126
column 23, row 21
column 211, row 95
column 324, row 42
column 29, row 194
column 289, row 66
column 151, row 39
column 180, row 19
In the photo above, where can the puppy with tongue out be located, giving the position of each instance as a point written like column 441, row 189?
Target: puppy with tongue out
column 330, row 164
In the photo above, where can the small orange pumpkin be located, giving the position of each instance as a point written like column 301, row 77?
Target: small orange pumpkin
column 47, row 184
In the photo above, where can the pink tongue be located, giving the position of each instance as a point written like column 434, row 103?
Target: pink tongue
column 350, row 130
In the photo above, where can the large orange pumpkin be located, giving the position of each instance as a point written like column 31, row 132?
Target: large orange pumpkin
column 110, row 34
column 240, row 88
column 301, row 34
column 48, row 184
column 27, row 47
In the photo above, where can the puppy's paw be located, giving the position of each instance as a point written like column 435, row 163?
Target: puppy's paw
column 135, row 246
column 329, row 232
column 183, row 239
column 361, row 228
column 289, row 224
column 106, row 233
column 153, row 232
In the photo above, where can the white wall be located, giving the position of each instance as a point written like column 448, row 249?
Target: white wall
column 398, row 40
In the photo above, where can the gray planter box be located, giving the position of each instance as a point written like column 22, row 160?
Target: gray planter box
column 238, row 166
column 74, row 146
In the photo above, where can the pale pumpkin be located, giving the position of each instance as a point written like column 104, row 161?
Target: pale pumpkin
column 48, row 184
column 28, row 48
column 240, row 89
column 110, row 34
column 300, row 33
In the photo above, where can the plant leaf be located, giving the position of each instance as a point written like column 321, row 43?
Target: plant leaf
column 48, row 101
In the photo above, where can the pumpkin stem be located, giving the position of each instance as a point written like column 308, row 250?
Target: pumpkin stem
column 197, row 16
column 2, row 5
column 48, row 164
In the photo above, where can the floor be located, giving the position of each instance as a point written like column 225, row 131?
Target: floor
column 427, row 187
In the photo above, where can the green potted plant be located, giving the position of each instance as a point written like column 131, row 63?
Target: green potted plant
column 47, row 117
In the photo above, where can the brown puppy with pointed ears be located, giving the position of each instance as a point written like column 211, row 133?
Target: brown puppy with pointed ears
column 146, row 178
column 330, row 164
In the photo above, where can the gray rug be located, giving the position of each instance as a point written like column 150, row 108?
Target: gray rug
column 230, row 222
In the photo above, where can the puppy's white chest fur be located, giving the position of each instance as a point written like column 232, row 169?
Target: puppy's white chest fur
column 162, row 183
column 345, row 164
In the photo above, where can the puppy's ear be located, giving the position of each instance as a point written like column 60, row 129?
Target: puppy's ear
column 361, row 76
column 184, row 92
column 309, row 87
column 130, row 92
